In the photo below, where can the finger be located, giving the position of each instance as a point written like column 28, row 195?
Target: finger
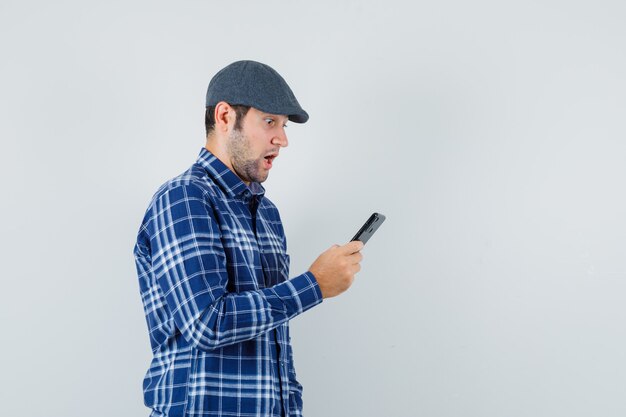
column 354, row 246
column 355, row 258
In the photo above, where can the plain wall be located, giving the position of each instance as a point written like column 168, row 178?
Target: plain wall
column 491, row 134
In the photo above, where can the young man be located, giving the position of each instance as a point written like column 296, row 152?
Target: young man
column 213, row 268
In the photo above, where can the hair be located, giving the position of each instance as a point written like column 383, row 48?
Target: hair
column 209, row 117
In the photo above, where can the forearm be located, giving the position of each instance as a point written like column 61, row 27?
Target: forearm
column 234, row 318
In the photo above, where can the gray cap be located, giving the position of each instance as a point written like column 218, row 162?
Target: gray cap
column 250, row 83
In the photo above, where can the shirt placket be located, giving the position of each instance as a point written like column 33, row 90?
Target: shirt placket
column 278, row 336
column 283, row 369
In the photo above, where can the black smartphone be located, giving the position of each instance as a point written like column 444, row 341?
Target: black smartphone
column 369, row 228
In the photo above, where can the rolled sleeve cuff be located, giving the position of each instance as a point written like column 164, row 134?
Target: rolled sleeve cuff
column 307, row 290
column 298, row 294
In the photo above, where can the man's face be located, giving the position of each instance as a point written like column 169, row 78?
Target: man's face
column 253, row 148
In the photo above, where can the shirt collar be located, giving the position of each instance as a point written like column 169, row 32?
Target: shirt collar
column 227, row 179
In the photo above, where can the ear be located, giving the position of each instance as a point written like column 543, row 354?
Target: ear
column 224, row 117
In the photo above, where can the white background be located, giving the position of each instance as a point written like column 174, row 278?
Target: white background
column 491, row 134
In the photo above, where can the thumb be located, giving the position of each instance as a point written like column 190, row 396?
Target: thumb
column 353, row 247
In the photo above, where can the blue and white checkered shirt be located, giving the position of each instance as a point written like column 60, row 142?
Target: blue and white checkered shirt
column 214, row 280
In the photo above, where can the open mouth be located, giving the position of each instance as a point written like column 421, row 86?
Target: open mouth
column 269, row 159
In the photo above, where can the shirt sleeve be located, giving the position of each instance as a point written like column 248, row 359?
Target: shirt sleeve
column 189, row 264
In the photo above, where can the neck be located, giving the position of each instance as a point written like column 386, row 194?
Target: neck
column 218, row 149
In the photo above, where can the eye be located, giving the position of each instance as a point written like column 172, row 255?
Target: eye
column 269, row 121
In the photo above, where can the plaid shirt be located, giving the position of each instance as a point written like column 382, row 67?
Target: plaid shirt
column 214, row 280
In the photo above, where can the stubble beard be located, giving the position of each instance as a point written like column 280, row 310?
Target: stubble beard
column 245, row 166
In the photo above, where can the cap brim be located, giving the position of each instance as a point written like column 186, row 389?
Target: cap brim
column 300, row 117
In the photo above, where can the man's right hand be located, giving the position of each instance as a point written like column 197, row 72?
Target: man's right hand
column 335, row 268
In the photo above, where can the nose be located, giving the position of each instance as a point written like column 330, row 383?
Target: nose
column 280, row 139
